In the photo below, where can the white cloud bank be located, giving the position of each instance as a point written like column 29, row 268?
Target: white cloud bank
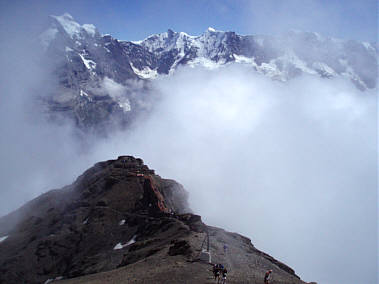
column 291, row 165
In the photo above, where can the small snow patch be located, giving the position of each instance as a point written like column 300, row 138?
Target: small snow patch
column 118, row 246
column 205, row 62
column 122, row 222
column 53, row 279
column 130, row 242
column 324, row 68
column 124, row 104
column 88, row 63
column 243, row 59
column 368, row 46
column 3, row 238
column 83, row 94
column 145, row 73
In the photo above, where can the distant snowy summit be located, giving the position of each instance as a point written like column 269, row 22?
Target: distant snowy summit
column 86, row 62
column 282, row 57
column 65, row 25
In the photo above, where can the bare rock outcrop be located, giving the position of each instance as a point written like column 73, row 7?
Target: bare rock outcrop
column 119, row 215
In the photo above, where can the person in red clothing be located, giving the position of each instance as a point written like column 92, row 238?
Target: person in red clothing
column 267, row 277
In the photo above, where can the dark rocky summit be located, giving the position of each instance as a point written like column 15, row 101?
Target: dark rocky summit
column 122, row 223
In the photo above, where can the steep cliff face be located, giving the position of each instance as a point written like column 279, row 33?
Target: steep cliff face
column 120, row 214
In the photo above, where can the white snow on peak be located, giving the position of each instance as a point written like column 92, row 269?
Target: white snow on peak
column 72, row 28
column 204, row 62
column 243, row 59
column 69, row 25
column 368, row 46
column 53, row 279
column 118, row 246
column 68, row 16
column 131, row 241
column 3, row 238
column 121, row 246
column 124, row 103
column 186, row 35
column 317, row 36
column 90, row 64
column 84, row 94
column 324, row 68
column 145, row 73
column 210, row 29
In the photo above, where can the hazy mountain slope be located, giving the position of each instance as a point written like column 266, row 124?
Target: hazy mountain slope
column 120, row 214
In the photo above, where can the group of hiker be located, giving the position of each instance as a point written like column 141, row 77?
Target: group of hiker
column 220, row 272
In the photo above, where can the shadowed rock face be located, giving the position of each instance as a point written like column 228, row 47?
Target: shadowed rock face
column 117, row 214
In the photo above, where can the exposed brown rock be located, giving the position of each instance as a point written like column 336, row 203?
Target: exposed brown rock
column 120, row 215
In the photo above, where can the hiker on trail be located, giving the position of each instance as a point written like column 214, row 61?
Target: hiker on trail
column 225, row 248
column 217, row 269
column 223, row 275
column 267, row 277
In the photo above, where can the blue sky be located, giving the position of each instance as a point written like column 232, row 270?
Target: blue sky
column 136, row 19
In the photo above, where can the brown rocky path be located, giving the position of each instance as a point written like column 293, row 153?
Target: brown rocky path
column 245, row 265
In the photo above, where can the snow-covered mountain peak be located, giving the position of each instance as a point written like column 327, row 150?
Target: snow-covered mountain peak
column 85, row 59
column 167, row 41
column 72, row 28
column 279, row 57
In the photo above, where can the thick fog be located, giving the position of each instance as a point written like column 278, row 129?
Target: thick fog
column 35, row 155
column 292, row 165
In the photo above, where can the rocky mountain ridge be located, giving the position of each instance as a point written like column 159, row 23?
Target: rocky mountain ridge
column 104, row 81
column 120, row 215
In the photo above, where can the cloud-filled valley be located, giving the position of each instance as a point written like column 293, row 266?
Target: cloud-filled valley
column 292, row 165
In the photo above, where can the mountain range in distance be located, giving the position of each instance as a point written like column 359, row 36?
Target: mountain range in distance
column 97, row 73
